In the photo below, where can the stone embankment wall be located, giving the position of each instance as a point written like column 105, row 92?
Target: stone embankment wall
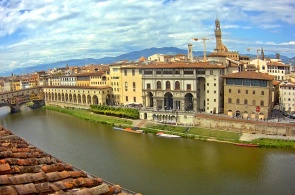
column 243, row 125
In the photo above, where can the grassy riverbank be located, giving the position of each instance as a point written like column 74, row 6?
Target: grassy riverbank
column 87, row 115
column 196, row 132
column 184, row 131
column 275, row 143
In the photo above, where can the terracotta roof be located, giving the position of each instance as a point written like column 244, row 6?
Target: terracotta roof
column 205, row 65
column 25, row 169
column 97, row 73
column 288, row 84
column 78, row 87
column 250, row 75
column 277, row 64
column 274, row 82
column 217, row 55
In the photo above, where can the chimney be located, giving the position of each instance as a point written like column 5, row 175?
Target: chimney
column 190, row 52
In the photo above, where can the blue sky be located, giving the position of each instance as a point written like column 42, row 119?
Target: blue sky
column 34, row 31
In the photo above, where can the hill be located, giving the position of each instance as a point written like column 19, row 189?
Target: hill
column 131, row 56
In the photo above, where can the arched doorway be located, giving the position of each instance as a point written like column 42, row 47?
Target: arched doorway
column 95, row 100
column 188, row 102
column 168, row 101
column 108, row 99
column 238, row 114
column 150, row 99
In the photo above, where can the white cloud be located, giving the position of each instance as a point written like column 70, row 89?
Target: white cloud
column 48, row 30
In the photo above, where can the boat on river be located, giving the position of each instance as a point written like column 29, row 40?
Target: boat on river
column 128, row 130
column 246, row 145
column 162, row 134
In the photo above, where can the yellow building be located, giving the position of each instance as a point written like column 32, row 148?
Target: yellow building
column 16, row 83
column 33, row 80
column 132, row 84
column 125, row 80
column 83, row 79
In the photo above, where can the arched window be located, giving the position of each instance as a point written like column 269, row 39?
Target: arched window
column 253, row 103
column 159, row 85
column 239, row 91
column 229, row 100
column 238, row 101
column 253, row 92
column 177, row 85
column 167, row 85
column 245, row 101
column 262, row 92
column 262, row 103
column 263, row 67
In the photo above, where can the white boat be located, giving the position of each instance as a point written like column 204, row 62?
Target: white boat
column 161, row 134
column 117, row 128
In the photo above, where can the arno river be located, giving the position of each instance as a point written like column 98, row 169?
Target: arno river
column 152, row 165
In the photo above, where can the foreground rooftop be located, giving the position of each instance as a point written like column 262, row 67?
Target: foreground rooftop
column 25, row 169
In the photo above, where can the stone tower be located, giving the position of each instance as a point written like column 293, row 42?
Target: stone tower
column 190, row 52
column 218, row 36
column 262, row 54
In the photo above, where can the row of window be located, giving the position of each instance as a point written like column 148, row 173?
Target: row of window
column 168, row 85
column 98, row 83
column 245, row 102
column 246, row 82
column 133, row 72
column 127, row 99
column 246, row 92
column 178, row 71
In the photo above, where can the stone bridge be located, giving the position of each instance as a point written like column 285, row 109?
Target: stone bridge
column 14, row 99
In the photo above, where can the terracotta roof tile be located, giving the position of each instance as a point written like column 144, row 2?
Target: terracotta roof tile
column 79, row 87
column 277, row 64
column 204, row 65
column 250, row 75
column 25, row 169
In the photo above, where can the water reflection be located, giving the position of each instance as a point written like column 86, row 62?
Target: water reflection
column 4, row 111
column 152, row 165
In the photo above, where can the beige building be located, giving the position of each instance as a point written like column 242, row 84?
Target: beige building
column 174, row 91
column 287, row 97
column 76, row 96
column 248, row 94
column 54, row 80
column 274, row 67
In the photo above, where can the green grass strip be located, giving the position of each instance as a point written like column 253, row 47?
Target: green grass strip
column 87, row 115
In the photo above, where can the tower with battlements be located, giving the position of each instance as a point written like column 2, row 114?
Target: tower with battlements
column 220, row 47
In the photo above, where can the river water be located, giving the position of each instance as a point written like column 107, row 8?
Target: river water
column 154, row 165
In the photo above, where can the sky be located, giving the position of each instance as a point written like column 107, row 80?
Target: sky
column 43, row 31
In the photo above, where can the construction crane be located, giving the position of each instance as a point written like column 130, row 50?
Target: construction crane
column 204, row 42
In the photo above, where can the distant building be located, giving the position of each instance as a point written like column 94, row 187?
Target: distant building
column 287, row 97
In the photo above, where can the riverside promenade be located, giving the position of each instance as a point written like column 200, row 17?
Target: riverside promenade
column 25, row 169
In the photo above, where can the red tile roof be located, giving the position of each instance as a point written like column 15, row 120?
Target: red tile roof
column 250, row 75
column 78, row 87
column 25, row 169
column 205, row 65
column 277, row 64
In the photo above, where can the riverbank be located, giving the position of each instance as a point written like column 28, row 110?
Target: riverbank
column 184, row 131
column 26, row 169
